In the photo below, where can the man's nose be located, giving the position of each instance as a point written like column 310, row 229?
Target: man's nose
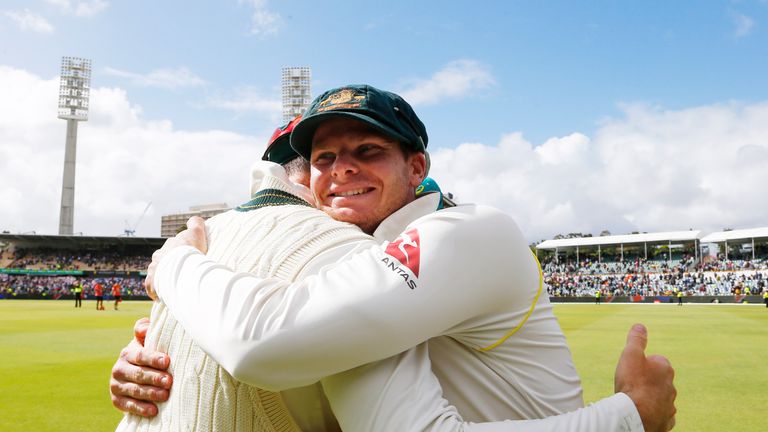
column 344, row 164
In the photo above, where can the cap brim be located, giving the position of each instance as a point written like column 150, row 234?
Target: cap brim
column 280, row 152
column 301, row 137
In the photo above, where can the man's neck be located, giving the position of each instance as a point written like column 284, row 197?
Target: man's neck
column 396, row 223
column 409, row 199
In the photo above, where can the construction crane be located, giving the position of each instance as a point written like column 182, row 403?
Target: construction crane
column 131, row 230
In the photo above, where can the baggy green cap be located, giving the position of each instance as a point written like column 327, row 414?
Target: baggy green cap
column 387, row 112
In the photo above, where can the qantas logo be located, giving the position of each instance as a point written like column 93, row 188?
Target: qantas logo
column 405, row 250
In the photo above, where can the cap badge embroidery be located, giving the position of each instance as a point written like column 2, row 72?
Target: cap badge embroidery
column 342, row 99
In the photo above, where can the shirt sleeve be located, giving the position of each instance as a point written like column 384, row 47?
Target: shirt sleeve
column 613, row 414
column 408, row 397
column 453, row 266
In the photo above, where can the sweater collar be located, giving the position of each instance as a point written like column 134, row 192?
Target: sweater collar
column 269, row 175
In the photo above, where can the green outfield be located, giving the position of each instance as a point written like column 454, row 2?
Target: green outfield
column 56, row 360
column 719, row 352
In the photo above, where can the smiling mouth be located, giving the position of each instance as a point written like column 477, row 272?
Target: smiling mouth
column 350, row 193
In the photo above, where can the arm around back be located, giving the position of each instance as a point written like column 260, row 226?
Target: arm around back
column 375, row 303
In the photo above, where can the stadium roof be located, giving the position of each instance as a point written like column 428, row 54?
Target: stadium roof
column 662, row 237
column 743, row 234
column 77, row 241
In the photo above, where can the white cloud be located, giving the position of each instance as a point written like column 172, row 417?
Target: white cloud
column 570, row 149
column 81, row 8
column 163, row 78
column 90, row 8
column 264, row 22
column 744, row 24
column 248, row 99
column 123, row 162
column 650, row 170
column 456, row 80
column 257, row 4
column 28, row 20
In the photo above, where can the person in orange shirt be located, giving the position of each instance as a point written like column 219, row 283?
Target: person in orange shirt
column 116, row 292
column 98, row 292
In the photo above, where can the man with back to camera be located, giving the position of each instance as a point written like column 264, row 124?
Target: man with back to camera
column 272, row 221
column 485, row 322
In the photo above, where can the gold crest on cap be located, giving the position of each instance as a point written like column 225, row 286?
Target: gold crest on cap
column 345, row 98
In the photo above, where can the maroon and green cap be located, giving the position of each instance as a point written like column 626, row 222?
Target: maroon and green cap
column 278, row 148
column 387, row 112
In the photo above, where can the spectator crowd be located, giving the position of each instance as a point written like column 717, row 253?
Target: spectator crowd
column 47, row 272
column 64, row 259
column 13, row 285
column 714, row 277
column 656, row 278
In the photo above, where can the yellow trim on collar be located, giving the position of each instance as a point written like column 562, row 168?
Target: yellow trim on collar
column 527, row 315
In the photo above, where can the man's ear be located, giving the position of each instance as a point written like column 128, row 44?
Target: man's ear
column 418, row 167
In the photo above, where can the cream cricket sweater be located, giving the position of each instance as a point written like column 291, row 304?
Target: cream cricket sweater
column 274, row 235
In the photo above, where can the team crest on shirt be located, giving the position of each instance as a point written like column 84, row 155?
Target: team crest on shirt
column 406, row 252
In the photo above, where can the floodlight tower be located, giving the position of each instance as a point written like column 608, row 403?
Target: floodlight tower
column 296, row 91
column 74, row 90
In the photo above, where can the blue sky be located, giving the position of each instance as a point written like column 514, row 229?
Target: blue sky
column 581, row 76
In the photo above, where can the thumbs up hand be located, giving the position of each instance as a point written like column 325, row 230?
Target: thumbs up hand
column 648, row 381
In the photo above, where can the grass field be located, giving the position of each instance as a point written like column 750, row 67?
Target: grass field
column 719, row 352
column 56, row 360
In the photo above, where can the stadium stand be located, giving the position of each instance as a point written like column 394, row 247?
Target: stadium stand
column 652, row 278
column 640, row 265
column 47, row 267
column 657, row 264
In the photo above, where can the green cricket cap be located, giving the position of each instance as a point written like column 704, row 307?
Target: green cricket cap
column 387, row 112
